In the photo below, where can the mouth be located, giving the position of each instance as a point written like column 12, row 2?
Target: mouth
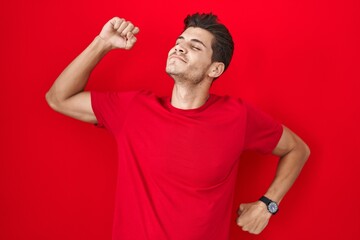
column 175, row 56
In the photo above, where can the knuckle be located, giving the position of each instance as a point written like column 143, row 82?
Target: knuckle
column 239, row 223
column 119, row 20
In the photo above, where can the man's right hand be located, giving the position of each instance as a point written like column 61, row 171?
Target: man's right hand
column 67, row 94
column 119, row 33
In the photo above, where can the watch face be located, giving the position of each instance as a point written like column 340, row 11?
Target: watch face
column 273, row 208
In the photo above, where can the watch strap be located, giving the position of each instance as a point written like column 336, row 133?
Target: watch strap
column 265, row 200
column 271, row 205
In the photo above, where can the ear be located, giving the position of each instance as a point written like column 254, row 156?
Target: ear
column 216, row 69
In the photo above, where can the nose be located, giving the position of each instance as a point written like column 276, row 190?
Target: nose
column 180, row 49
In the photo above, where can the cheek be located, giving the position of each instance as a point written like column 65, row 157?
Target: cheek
column 172, row 50
column 202, row 61
column 169, row 53
column 203, row 58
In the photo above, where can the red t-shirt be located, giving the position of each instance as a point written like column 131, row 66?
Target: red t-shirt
column 177, row 168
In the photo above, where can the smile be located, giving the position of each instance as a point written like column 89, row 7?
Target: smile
column 177, row 57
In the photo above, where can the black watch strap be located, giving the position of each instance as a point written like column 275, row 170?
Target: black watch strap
column 265, row 200
column 271, row 205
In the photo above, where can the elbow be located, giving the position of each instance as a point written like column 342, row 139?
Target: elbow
column 302, row 150
column 51, row 100
column 306, row 151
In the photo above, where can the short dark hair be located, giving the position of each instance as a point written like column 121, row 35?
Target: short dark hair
column 223, row 45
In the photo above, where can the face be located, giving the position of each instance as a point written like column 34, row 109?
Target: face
column 190, row 58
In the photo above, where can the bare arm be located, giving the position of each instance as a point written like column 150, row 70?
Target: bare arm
column 67, row 94
column 293, row 153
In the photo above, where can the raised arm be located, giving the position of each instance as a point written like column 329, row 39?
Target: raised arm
column 67, row 94
column 293, row 153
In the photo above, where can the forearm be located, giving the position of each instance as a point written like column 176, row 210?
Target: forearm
column 67, row 95
column 75, row 76
column 288, row 170
column 293, row 153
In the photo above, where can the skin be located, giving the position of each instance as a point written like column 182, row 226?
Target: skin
column 189, row 64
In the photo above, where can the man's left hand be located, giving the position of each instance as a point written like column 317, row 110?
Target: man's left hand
column 253, row 217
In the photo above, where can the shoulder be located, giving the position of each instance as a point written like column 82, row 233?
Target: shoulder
column 131, row 94
column 229, row 102
column 236, row 102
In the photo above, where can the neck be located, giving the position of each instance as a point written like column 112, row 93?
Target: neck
column 189, row 97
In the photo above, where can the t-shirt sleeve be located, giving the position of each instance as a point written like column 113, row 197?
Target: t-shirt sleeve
column 111, row 108
column 262, row 132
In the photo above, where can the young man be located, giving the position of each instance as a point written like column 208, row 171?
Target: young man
column 178, row 155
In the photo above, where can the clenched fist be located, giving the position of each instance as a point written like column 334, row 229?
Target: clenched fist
column 253, row 217
column 119, row 33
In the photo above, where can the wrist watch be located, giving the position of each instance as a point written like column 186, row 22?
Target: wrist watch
column 272, row 206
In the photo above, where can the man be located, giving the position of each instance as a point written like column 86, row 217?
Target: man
column 178, row 155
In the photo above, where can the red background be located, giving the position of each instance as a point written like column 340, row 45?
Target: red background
column 296, row 60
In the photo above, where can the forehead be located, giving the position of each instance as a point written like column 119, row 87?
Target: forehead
column 199, row 34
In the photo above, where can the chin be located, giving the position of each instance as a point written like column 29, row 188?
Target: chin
column 171, row 70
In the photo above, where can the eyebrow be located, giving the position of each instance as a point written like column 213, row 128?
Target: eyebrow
column 193, row 40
